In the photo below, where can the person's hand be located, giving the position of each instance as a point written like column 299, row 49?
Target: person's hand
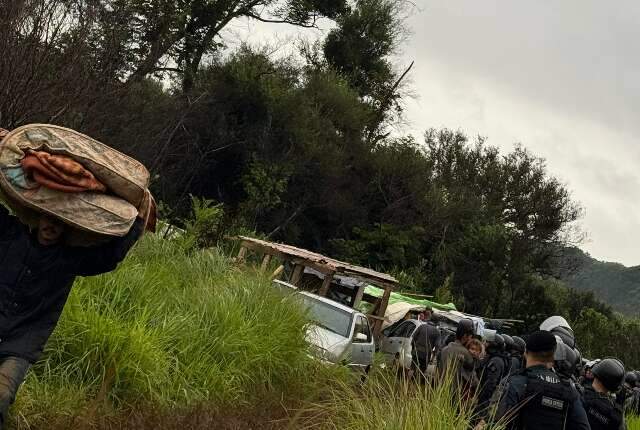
column 481, row 425
column 145, row 206
column 147, row 212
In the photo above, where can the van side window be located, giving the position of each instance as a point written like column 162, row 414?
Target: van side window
column 362, row 326
column 403, row 330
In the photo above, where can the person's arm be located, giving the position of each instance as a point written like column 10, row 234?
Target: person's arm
column 492, row 379
column 577, row 416
column 7, row 220
column 94, row 260
column 508, row 403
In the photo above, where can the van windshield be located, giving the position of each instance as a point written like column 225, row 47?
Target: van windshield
column 328, row 317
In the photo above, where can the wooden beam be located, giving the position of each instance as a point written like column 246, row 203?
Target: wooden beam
column 296, row 276
column 326, row 284
column 242, row 254
column 322, row 268
column 276, row 273
column 381, row 311
column 265, row 262
column 359, row 294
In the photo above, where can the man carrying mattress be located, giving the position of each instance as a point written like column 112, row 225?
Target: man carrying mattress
column 37, row 270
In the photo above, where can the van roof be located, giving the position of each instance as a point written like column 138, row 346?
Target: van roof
column 317, row 297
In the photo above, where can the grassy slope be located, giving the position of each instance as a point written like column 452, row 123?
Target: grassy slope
column 186, row 340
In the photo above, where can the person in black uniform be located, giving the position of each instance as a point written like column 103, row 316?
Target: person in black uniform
column 495, row 367
column 517, row 354
column 602, row 411
column 425, row 340
column 509, row 344
column 536, row 398
column 565, row 362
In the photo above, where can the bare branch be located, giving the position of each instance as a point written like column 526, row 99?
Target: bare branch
column 313, row 24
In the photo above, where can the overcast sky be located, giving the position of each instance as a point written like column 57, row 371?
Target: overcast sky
column 562, row 78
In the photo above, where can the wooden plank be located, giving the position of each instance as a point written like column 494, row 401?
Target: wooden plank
column 381, row 311
column 242, row 254
column 291, row 252
column 265, row 262
column 322, row 268
column 296, row 276
column 276, row 273
column 326, row 284
column 359, row 295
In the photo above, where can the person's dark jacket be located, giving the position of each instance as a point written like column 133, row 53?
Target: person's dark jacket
column 35, row 281
column 494, row 368
column 425, row 339
column 603, row 413
column 457, row 359
column 515, row 401
column 516, row 363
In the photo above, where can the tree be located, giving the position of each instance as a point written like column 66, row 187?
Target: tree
column 359, row 49
column 184, row 32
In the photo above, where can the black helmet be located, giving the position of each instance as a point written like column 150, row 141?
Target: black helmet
column 465, row 326
column 508, row 342
column 495, row 343
column 631, row 378
column 565, row 360
column 579, row 362
column 519, row 344
column 610, row 372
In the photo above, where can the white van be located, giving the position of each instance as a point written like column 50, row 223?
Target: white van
column 338, row 333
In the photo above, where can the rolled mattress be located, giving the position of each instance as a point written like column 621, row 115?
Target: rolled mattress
column 111, row 213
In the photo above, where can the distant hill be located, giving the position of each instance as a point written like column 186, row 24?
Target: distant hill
column 613, row 283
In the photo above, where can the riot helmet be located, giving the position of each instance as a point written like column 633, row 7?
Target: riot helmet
column 495, row 343
column 561, row 328
column 465, row 326
column 610, row 372
column 631, row 378
column 519, row 345
column 508, row 342
column 565, row 360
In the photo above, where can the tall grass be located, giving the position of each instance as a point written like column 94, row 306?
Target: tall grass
column 387, row 402
column 633, row 422
column 172, row 328
column 183, row 338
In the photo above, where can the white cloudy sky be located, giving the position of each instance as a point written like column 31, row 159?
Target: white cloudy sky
column 562, row 78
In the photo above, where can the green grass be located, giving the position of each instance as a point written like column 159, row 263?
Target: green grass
column 173, row 329
column 186, row 339
column 633, row 422
column 387, row 402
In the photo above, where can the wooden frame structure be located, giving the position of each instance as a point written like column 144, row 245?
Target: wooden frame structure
column 328, row 267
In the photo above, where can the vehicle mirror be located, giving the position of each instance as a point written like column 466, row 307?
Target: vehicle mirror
column 361, row 337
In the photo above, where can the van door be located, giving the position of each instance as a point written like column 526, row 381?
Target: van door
column 362, row 347
column 397, row 345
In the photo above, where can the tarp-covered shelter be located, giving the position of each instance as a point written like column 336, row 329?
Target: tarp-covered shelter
column 399, row 297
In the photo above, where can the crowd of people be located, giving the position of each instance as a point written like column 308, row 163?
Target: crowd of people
column 537, row 381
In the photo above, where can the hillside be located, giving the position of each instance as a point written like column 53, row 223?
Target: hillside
column 612, row 283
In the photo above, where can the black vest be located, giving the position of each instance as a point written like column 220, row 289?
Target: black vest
column 602, row 412
column 547, row 400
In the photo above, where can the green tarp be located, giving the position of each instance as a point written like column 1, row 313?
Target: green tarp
column 397, row 297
